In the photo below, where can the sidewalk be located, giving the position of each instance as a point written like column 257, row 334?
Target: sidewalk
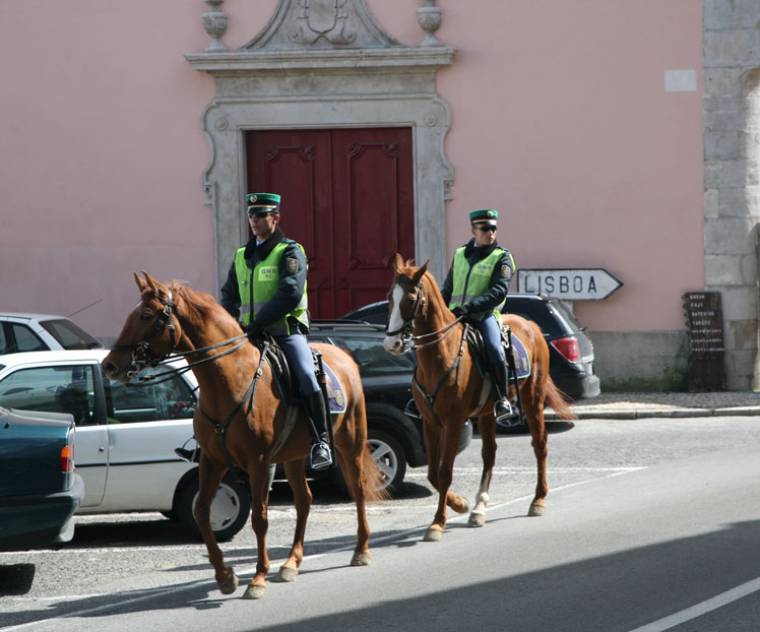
column 640, row 405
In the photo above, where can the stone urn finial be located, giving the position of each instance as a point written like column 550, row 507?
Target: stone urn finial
column 215, row 21
column 429, row 19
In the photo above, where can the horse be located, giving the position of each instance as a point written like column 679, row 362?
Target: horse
column 448, row 389
column 236, row 386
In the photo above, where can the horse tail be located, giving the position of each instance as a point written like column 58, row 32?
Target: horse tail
column 555, row 399
column 372, row 478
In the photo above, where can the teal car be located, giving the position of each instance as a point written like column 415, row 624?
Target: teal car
column 39, row 488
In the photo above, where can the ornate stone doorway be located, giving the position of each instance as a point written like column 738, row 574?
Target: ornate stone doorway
column 325, row 64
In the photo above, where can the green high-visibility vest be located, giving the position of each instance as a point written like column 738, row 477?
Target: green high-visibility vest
column 266, row 277
column 471, row 281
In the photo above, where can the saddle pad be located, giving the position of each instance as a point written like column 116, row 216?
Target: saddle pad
column 522, row 359
column 336, row 396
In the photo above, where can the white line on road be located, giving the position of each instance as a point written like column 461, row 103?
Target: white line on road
column 723, row 599
column 530, row 470
column 244, row 571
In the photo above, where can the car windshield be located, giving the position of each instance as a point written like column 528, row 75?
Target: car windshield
column 372, row 358
column 69, row 335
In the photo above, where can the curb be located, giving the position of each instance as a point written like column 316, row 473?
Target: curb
column 746, row 411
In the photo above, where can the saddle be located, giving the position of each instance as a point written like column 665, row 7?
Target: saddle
column 287, row 385
column 516, row 351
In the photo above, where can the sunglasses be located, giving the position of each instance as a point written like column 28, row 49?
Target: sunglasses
column 487, row 229
column 259, row 214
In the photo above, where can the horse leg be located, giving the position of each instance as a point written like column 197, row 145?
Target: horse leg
column 302, row 499
column 352, row 466
column 209, row 476
column 259, row 481
column 444, row 477
column 487, row 426
column 535, row 412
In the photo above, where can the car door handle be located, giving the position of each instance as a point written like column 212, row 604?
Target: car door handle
column 101, row 449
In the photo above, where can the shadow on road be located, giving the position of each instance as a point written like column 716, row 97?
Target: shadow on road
column 618, row 591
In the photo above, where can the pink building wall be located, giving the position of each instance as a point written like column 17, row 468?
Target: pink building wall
column 559, row 118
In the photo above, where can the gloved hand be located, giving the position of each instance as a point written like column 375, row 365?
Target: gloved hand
column 459, row 311
column 254, row 331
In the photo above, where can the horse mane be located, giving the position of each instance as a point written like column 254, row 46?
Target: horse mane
column 434, row 292
column 200, row 305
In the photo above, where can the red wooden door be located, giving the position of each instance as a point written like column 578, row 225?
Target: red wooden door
column 348, row 198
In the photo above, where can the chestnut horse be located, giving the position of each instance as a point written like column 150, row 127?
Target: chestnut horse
column 449, row 389
column 176, row 317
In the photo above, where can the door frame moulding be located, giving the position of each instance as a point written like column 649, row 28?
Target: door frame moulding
column 327, row 88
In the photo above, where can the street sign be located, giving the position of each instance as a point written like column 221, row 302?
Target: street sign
column 568, row 284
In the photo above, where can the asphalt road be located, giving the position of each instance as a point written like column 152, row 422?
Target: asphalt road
column 651, row 525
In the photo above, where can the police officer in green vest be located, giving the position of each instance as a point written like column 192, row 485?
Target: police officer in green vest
column 266, row 291
column 476, row 289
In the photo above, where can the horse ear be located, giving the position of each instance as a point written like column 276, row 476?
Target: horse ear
column 397, row 263
column 420, row 272
column 150, row 282
column 141, row 284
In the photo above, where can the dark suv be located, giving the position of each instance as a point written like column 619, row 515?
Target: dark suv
column 395, row 431
column 571, row 350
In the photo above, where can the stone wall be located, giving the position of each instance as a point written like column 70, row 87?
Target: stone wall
column 732, row 175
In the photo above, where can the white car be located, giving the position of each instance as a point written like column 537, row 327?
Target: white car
column 126, row 436
column 39, row 332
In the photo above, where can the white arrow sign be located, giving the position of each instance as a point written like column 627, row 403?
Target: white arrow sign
column 568, row 284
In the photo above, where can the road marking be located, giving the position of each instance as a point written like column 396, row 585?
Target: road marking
column 723, row 599
column 531, row 470
column 154, row 594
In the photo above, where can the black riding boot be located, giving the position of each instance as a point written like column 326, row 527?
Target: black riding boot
column 502, row 408
column 321, row 458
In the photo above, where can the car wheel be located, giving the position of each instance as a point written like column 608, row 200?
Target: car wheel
column 229, row 509
column 389, row 456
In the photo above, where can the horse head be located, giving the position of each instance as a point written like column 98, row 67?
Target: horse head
column 406, row 300
column 150, row 334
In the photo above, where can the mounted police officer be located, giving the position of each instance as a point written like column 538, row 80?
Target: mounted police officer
column 266, row 291
column 476, row 288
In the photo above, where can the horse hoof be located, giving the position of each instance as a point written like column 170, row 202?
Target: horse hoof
column 229, row 585
column 361, row 559
column 433, row 534
column 255, row 592
column 536, row 510
column 463, row 508
column 288, row 574
column 477, row 519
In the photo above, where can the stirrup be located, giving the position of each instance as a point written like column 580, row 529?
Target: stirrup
column 505, row 415
column 320, row 457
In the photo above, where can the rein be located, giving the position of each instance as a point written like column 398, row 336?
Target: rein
column 406, row 327
column 142, row 356
column 437, row 336
column 430, row 397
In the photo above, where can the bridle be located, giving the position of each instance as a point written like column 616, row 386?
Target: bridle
column 143, row 356
column 420, row 341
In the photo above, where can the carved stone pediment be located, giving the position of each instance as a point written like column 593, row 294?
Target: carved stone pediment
column 321, row 24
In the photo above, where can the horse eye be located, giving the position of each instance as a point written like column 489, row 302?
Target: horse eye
column 146, row 316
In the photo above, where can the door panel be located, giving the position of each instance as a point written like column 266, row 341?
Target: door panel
column 373, row 211
column 348, row 198
column 297, row 166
